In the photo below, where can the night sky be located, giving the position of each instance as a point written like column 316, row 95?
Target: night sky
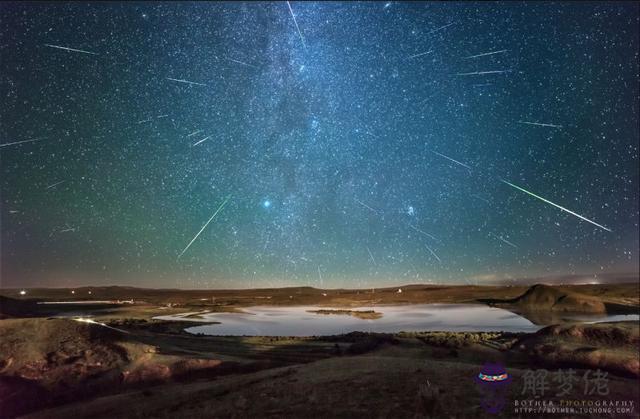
column 341, row 144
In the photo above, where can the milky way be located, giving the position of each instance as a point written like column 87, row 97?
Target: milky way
column 359, row 144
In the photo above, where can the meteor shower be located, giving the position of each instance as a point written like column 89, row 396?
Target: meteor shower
column 398, row 197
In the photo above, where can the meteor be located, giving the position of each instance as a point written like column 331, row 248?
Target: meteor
column 486, row 53
column 53, row 185
column 504, row 240
column 481, row 198
column 241, row 62
column 555, row 205
column 201, row 141
column 205, row 226
column 419, row 55
column 297, row 27
column 22, row 142
column 539, row 124
column 449, row 158
column 371, row 256
column 365, row 205
column 423, row 232
column 70, row 49
column 433, row 253
column 440, row 28
column 187, row 82
column 483, row 72
column 194, row 133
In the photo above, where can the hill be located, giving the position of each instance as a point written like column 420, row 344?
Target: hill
column 544, row 297
column 610, row 347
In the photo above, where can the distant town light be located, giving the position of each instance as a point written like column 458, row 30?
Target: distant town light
column 23, row 292
column 73, row 292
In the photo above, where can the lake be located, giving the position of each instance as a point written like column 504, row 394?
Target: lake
column 298, row 321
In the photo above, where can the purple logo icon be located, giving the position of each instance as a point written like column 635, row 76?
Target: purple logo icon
column 493, row 382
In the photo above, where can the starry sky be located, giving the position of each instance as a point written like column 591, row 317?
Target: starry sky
column 338, row 144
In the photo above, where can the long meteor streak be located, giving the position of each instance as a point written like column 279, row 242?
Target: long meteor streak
column 297, row 27
column 70, row 49
column 22, row 142
column 204, row 226
column 555, row 205
column 486, row 53
column 453, row 160
column 187, row 82
column 540, row 124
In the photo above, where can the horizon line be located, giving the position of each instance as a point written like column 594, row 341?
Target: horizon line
column 529, row 281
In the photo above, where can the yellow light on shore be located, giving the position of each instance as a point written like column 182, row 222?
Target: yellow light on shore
column 23, row 292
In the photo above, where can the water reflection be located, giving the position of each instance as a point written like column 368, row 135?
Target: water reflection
column 299, row 321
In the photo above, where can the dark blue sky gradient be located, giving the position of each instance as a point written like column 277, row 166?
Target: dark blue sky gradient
column 333, row 151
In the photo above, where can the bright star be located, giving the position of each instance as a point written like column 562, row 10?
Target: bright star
column 266, row 203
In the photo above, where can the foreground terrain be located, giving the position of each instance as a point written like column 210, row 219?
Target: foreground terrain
column 122, row 363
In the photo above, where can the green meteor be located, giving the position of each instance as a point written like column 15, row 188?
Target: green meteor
column 555, row 205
